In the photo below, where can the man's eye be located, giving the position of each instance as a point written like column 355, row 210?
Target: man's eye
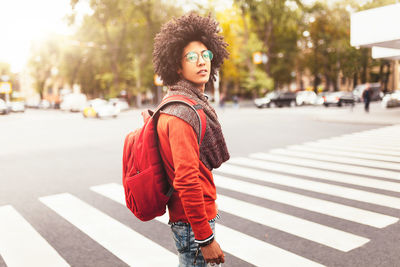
column 192, row 57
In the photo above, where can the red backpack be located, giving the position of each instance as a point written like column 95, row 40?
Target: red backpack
column 146, row 185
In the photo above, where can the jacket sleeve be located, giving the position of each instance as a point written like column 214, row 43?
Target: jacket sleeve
column 185, row 156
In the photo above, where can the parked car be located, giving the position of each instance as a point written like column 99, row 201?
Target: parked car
column 32, row 103
column 121, row 103
column 306, row 98
column 375, row 90
column 17, row 106
column 320, row 98
column 73, row 102
column 284, row 99
column 100, row 108
column 3, row 107
column 265, row 101
column 339, row 99
column 276, row 99
column 44, row 104
column 391, row 100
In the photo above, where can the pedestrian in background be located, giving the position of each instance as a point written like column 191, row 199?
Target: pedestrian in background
column 367, row 97
column 187, row 54
column 235, row 99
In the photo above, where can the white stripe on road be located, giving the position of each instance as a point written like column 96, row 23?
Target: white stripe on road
column 328, row 166
column 368, row 139
column 380, row 136
column 257, row 252
column 337, row 152
column 347, row 147
column 234, row 242
column 21, row 245
column 318, row 174
column 341, row 159
column 296, row 226
column 367, row 143
column 308, row 203
column 355, row 143
column 128, row 245
column 323, row 188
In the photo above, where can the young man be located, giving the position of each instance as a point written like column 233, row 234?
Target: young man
column 187, row 53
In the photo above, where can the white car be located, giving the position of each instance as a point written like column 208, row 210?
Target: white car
column 306, row 98
column 265, row 101
column 17, row 106
column 391, row 100
column 3, row 107
column 120, row 103
column 73, row 102
column 100, row 108
column 44, row 104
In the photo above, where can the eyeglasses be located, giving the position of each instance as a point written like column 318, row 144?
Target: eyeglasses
column 193, row 57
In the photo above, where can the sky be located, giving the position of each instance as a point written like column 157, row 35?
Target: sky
column 22, row 21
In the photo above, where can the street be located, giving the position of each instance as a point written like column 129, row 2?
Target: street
column 302, row 188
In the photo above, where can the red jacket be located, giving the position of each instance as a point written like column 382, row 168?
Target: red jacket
column 193, row 200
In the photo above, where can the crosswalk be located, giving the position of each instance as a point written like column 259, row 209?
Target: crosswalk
column 327, row 178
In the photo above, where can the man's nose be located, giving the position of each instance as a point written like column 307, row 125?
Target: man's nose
column 201, row 61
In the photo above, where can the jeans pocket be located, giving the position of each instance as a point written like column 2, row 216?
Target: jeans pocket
column 181, row 235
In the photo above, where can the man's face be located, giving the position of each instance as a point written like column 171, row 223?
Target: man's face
column 196, row 64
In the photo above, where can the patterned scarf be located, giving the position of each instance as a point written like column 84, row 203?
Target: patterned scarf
column 213, row 150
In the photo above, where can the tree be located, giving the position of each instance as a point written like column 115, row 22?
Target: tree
column 45, row 56
column 275, row 23
column 120, row 35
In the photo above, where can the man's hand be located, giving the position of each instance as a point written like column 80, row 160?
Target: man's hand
column 213, row 253
column 146, row 115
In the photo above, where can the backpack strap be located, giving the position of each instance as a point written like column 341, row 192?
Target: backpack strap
column 193, row 105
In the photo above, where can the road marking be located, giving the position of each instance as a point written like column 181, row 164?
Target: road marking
column 308, row 203
column 347, row 147
column 318, row 233
column 329, row 166
column 365, row 141
column 317, row 173
column 128, row 245
column 21, row 245
column 345, row 160
column 355, row 143
column 328, row 189
column 240, row 245
column 333, row 151
column 257, row 252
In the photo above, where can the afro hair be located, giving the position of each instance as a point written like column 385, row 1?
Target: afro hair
column 179, row 32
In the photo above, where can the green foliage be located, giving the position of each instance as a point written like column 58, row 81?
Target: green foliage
column 112, row 49
column 45, row 57
column 260, row 84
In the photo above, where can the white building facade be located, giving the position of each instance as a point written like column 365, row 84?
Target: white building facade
column 379, row 29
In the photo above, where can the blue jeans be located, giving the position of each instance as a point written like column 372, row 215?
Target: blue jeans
column 184, row 242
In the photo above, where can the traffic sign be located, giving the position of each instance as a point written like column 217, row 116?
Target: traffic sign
column 5, row 88
column 257, row 57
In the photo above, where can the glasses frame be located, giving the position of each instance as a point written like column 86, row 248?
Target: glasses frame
column 205, row 58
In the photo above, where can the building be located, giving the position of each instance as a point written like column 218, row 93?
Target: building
column 378, row 28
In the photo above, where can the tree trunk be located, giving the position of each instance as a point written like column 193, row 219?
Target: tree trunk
column 249, row 63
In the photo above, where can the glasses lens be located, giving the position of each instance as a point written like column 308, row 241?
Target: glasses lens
column 192, row 57
column 207, row 55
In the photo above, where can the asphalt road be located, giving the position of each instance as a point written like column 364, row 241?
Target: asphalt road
column 45, row 154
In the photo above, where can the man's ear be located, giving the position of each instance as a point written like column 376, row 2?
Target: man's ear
column 179, row 71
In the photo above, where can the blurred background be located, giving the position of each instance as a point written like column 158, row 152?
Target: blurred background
column 73, row 51
column 313, row 178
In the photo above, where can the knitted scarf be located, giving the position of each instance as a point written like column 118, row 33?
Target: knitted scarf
column 213, row 150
